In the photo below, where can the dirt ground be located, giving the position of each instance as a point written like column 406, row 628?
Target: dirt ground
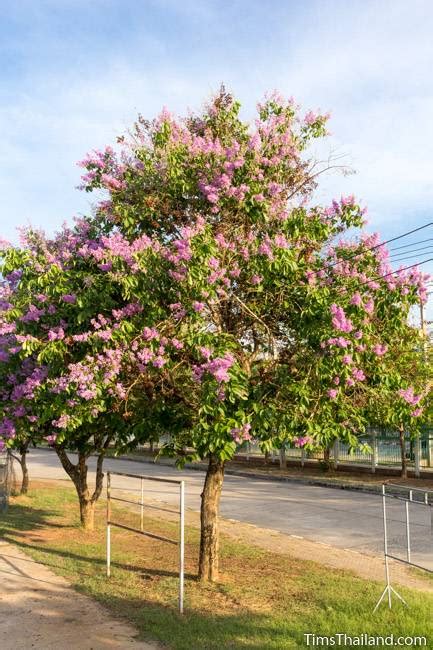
column 41, row 611
column 364, row 565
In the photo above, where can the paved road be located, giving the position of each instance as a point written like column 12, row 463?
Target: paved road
column 341, row 518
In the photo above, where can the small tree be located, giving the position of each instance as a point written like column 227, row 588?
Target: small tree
column 70, row 322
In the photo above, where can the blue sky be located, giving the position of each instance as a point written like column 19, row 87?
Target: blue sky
column 74, row 74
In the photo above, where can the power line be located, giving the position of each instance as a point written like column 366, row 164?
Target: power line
column 410, row 257
column 410, row 251
column 376, row 246
column 415, row 243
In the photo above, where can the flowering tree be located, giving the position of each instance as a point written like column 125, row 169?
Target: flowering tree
column 402, row 384
column 208, row 297
column 67, row 327
column 17, row 418
column 271, row 324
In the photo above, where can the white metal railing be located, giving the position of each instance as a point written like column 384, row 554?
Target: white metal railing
column 425, row 500
column 181, row 512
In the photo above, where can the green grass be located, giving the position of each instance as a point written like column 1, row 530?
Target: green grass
column 264, row 601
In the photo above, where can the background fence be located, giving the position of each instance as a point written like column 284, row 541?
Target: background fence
column 384, row 445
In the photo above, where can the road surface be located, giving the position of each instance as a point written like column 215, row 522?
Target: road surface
column 342, row 518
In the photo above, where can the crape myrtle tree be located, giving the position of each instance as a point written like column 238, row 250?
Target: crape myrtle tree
column 17, row 419
column 68, row 353
column 402, row 384
column 272, row 323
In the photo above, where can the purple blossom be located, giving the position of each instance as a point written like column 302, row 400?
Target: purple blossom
column 62, row 422
column 106, row 266
column 380, row 350
column 33, row 314
column 409, row 396
column 7, row 428
column 369, row 306
column 356, row 299
column 150, row 333
column 70, row 298
column 302, row 441
column 339, row 319
column 241, row 434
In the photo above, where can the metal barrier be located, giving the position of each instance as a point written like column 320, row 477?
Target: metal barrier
column 6, row 477
column 181, row 512
column 424, row 501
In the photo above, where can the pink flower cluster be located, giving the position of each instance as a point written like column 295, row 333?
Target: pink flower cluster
column 241, row 434
column 302, row 441
column 409, row 396
column 339, row 319
column 7, row 428
column 379, row 350
column 217, row 367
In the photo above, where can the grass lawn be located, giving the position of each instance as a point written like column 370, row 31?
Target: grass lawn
column 264, row 601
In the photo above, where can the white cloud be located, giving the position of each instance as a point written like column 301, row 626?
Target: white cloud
column 368, row 62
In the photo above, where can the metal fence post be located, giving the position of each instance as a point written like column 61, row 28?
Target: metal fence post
column 417, row 456
column 375, row 454
column 181, row 546
column 142, row 507
column 408, row 526
column 430, row 448
column 336, row 452
column 108, row 525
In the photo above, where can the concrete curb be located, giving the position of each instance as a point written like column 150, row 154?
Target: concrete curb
column 320, row 482
column 201, row 467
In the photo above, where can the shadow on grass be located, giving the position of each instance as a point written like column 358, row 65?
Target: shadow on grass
column 92, row 559
column 28, row 518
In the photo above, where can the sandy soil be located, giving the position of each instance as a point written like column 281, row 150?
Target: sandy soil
column 41, row 611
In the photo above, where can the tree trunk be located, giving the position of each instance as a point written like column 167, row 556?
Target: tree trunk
column 78, row 474
column 209, row 514
column 25, row 471
column 328, row 463
column 283, row 461
column 22, row 460
column 403, row 454
column 87, row 513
